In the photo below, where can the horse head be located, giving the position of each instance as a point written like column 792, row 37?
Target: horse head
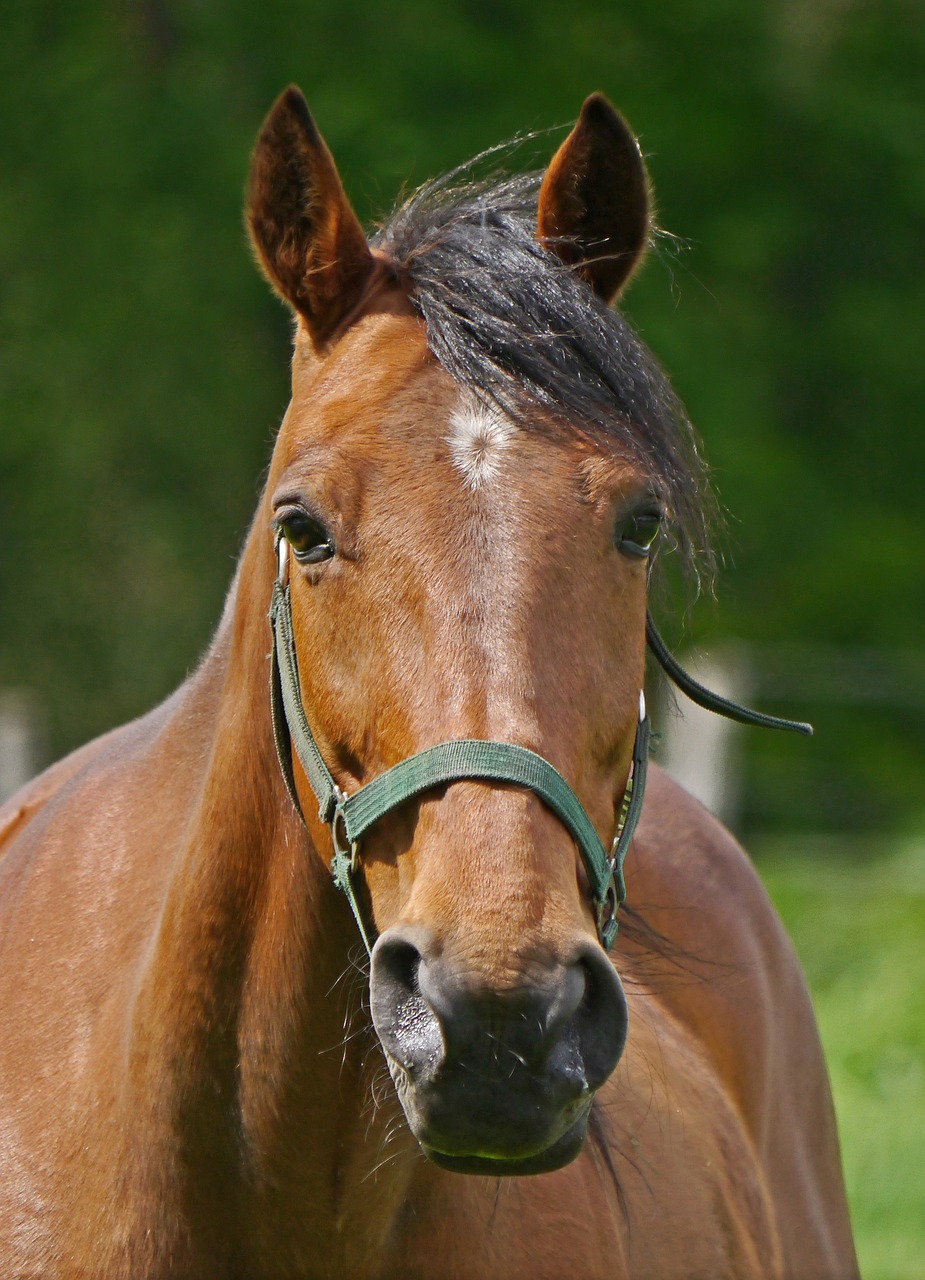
column 468, row 486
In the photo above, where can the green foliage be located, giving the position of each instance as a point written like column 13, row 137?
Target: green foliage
column 858, row 919
column 142, row 362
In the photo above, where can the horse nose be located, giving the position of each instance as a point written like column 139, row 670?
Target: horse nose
column 567, row 1023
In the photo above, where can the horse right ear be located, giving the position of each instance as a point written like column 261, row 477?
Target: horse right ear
column 594, row 207
column 308, row 240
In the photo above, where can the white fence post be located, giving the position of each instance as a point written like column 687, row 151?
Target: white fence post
column 18, row 740
column 700, row 749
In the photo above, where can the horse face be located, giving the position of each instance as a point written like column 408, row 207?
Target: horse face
column 461, row 578
column 457, row 575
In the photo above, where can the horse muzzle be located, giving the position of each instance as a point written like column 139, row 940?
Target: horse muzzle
column 496, row 1082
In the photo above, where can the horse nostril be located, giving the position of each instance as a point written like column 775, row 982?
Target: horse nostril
column 405, row 1023
column 399, row 962
column 601, row 1018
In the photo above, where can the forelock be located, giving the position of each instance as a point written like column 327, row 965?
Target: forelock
column 508, row 320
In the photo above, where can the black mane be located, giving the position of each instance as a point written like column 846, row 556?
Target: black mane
column 506, row 318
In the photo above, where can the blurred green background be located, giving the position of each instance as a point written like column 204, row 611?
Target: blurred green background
column 143, row 374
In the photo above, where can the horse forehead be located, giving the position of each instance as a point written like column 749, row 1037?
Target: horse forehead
column 381, row 365
column 382, row 398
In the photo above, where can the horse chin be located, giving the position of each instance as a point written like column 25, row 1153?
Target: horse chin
column 559, row 1153
column 499, row 1135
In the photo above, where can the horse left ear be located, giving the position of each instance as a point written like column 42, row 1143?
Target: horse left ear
column 594, row 208
column 307, row 237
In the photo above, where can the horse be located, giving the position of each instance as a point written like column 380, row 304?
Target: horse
column 463, row 1055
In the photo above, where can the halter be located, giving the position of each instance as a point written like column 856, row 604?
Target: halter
column 350, row 816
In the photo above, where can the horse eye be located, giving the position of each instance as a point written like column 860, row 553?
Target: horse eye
column 636, row 534
column 310, row 541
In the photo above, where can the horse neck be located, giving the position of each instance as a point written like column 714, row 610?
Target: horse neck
column 248, row 1029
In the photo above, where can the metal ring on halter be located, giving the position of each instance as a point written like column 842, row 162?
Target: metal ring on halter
column 343, row 845
column 605, row 912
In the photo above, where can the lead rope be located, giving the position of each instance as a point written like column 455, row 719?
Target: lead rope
column 706, row 698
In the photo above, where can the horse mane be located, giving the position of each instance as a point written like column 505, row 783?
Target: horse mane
column 509, row 320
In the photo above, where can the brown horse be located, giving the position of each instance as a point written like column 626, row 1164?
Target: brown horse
column 469, row 480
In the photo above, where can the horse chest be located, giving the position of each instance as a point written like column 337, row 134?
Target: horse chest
column 668, row 1188
column 671, row 1218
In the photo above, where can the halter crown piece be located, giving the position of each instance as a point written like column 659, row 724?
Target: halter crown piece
column 349, row 817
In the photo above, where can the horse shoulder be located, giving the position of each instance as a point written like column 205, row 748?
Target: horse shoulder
column 89, row 853
column 30, row 799
column 52, row 784
column 719, row 963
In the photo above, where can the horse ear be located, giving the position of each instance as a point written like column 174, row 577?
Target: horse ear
column 594, row 202
column 308, row 240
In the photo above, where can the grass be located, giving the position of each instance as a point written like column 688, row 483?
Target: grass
column 858, row 920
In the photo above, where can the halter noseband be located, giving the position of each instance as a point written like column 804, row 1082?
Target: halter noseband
column 349, row 817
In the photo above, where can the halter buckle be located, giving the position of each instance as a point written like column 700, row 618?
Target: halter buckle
column 627, row 794
column 282, row 552
column 622, row 816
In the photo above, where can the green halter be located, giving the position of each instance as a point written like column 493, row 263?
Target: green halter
column 349, row 817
